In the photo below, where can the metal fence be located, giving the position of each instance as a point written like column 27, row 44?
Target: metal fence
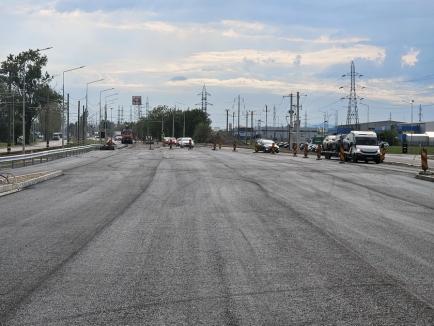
column 44, row 156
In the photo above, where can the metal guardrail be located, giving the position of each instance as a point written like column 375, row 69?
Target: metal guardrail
column 26, row 159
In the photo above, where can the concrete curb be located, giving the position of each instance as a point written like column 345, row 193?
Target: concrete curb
column 11, row 188
column 401, row 164
column 426, row 177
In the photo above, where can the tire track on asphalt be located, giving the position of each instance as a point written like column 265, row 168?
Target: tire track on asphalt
column 345, row 180
column 10, row 312
column 340, row 242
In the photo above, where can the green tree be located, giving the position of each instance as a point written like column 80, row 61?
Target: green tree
column 170, row 122
column 202, row 133
column 24, row 72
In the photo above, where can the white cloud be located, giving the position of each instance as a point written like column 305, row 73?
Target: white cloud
column 321, row 58
column 410, row 58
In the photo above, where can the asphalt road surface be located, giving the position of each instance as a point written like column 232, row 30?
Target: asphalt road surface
column 162, row 237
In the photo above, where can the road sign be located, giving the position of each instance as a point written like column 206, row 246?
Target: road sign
column 137, row 100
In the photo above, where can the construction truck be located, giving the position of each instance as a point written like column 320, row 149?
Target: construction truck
column 127, row 136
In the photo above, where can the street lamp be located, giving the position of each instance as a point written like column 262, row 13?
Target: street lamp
column 24, row 98
column 87, row 90
column 63, row 101
column 100, row 111
column 411, row 102
column 105, row 114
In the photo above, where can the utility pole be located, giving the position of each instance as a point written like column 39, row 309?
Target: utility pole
column 183, row 129
column 305, row 119
column 274, row 121
column 238, row 117
column 420, row 112
column 78, row 123
column 247, row 121
column 173, row 123
column 251, row 125
column 105, row 121
column 227, row 120
column 13, row 118
column 233, row 124
column 84, row 125
column 47, row 112
column 266, row 121
column 67, row 119
column 298, row 118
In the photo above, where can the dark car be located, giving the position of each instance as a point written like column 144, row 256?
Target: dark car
column 264, row 145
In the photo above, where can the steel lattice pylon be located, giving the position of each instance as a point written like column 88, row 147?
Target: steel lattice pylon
column 204, row 100
column 353, row 113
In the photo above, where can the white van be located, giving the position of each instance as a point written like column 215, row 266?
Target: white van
column 362, row 145
column 57, row 136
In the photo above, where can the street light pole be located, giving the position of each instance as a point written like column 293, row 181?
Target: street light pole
column 63, row 103
column 100, row 110
column 105, row 114
column 412, row 101
column 87, row 91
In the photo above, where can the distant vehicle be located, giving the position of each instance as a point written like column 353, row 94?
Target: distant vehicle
column 331, row 145
column 118, row 138
column 126, row 136
column 178, row 141
column 166, row 140
column 312, row 147
column 57, row 136
column 185, row 141
column 264, row 145
column 362, row 146
column 173, row 140
column 384, row 144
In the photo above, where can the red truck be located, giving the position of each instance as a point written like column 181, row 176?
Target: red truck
column 127, row 136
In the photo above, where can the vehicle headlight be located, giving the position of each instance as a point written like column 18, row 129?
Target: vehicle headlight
column 358, row 150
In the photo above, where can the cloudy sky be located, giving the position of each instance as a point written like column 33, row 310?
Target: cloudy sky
column 262, row 50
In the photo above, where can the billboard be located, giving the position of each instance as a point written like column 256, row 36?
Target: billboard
column 137, row 100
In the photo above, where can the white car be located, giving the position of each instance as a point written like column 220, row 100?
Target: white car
column 185, row 142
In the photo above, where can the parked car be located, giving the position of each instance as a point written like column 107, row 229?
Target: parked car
column 185, row 142
column 264, row 145
column 174, row 141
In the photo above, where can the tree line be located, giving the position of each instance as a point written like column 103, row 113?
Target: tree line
column 163, row 121
column 23, row 79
